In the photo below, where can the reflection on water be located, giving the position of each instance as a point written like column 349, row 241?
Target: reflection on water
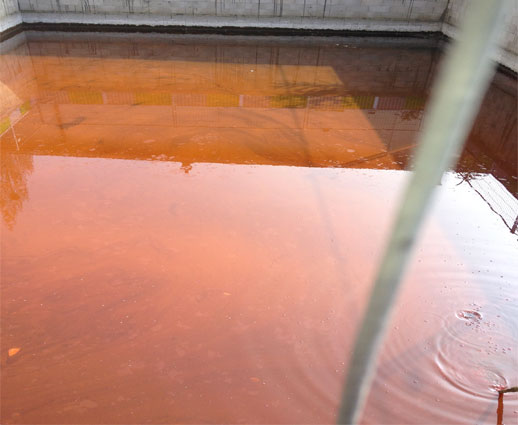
column 202, row 220
column 15, row 169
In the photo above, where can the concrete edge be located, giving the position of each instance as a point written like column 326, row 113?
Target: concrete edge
column 503, row 57
column 11, row 32
column 182, row 24
column 411, row 40
column 237, row 22
column 9, row 23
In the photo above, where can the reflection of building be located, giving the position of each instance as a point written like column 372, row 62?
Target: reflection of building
column 292, row 103
column 301, row 103
column 494, row 139
column 13, row 192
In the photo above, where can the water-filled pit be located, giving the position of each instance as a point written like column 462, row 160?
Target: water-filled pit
column 191, row 226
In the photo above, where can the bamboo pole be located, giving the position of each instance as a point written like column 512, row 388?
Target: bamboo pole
column 456, row 98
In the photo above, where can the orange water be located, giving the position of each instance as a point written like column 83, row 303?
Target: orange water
column 191, row 226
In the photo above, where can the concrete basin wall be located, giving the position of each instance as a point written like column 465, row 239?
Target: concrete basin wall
column 325, row 15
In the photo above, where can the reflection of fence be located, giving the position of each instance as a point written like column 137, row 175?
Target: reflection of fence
column 85, row 97
column 331, row 103
column 498, row 198
column 14, row 117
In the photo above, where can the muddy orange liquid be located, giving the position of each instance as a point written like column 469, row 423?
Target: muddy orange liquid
column 191, row 227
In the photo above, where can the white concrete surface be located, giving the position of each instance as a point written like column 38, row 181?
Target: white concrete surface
column 425, row 10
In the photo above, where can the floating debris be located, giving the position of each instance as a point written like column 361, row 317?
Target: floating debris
column 469, row 315
column 13, row 351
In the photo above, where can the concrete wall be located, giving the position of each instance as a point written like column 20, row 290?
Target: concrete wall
column 8, row 7
column 508, row 54
column 423, row 10
column 9, row 14
column 372, row 15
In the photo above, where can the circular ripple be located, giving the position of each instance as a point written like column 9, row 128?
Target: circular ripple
column 474, row 353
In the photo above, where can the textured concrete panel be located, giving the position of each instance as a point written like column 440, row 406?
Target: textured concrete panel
column 361, row 9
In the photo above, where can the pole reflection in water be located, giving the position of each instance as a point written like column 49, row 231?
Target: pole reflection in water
column 190, row 229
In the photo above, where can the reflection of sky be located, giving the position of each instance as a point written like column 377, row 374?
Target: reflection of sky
column 497, row 198
column 482, row 217
column 348, row 187
column 295, row 247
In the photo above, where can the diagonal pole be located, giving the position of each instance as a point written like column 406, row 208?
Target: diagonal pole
column 456, row 98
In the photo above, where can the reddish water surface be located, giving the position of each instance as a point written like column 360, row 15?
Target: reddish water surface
column 191, row 226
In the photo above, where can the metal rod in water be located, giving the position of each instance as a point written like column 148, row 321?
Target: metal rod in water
column 456, row 98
